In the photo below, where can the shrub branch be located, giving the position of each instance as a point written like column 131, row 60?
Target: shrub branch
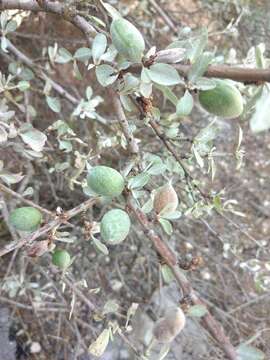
column 48, row 227
column 208, row 321
column 245, row 75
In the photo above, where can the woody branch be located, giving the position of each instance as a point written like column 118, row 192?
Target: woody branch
column 245, row 75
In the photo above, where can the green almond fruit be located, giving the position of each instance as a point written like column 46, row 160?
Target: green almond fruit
column 105, row 181
column 127, row 39
column 61, row 259
column 26, row 218
column 114, row 227
column 224, row 100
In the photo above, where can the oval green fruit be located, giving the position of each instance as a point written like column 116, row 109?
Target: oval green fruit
column 105, row 181
column 127, row 39
column 114, row 227
column 61, row 259
column 224, row 100
column 25, row 218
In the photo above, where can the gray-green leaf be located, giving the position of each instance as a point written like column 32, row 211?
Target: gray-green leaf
column 100, row 246
column 83, row 54
column 105, row 74
column 247, row 352
column 197, row 310
column 34, row 138
column 260, row 120
column 164, row 74
column 166, row 226
column 138, row 181
column 199, row 67
column 98, row 47
column 53, row 103
column 185, row 104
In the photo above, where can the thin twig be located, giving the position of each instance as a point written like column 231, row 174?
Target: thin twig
column 164, row 16
column 245, row 75
column 48, row 227
column 132, row 144
column 8, row 191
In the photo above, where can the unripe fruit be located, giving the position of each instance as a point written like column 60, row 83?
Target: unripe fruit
column 168, row 327
column 25, row 218
column 165, row 199
column 61, row 259
column 114, row 227
column 105, row 181
column 127, row 39
column 224, row 100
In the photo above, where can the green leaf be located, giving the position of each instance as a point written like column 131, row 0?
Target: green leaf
column 3, row 19
column 148, row 206
column 185, row 104
column 247, row 352
column 164, row 74
column 98, row 47
column 146, row 89
column 167, row 274
column 131, row 83
column 63, row 56
column 105, row 75
column 76, row 71
column 171, row 215
column 4, row 44
column 11, row 26
column 127, row 103
column 53, row 103
column 98, row 347
column 202, row 83
column 110, row 306
column 23, row 85
column 200, row 66
column 109, row 55
column 111, row 10
column 27, row 74
column 83, row 54
column 260, row 120
column 198, row 45
column 166, row 226
column 3, row 135
column 172, row 132
column 259, row 55
column 197, row 310
column 157, row 169
column 100, row 246
column 34, row 138
column 10, row 178
column 208, row 133
column 65, row 145
column 138, row 181
column 168, row 94
column 198, row 157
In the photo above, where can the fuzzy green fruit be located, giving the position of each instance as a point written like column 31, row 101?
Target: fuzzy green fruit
column 224, row 100
column 61, row 259
column 114, row 227
column 127, row 39
column 105, row 181
column 25, row 218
